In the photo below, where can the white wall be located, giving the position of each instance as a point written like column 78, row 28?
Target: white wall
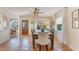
column 73, row 34
column 4, row 36
column 5, row 33
column 43, row 20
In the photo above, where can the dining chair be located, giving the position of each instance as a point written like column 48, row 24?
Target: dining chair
column 34, row 36
column 43, row 40
column 52, row 39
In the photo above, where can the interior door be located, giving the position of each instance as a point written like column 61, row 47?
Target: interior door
column 24, row 27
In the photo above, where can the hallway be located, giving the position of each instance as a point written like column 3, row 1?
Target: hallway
column 25, row 44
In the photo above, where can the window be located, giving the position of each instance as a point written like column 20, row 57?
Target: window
column 59, row 23
column 5, row 24
column 13, row 24
column 1, row 24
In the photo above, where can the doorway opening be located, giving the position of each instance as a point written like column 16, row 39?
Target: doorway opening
column 25, row 25
column 14, row 27
column 59, row 29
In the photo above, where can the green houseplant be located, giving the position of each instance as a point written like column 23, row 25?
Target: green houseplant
column 43, row 27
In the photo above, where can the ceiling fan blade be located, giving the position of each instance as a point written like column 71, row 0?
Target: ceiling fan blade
column 30, row 10
column 40, row 12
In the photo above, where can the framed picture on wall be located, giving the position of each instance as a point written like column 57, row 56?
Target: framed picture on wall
column 75, row 14
column 75, row 23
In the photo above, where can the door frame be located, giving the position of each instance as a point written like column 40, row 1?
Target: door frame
column 60, row 14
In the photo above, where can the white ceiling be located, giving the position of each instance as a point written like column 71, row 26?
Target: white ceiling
column 48, row 11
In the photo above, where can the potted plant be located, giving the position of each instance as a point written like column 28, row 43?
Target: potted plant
column 43, row 27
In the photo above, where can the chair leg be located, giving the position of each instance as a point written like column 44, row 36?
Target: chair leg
column 33, row 44
column 39, row 47
column 47, row 47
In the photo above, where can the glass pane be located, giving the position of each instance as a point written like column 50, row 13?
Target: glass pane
column 5, row 23
column 1, row 24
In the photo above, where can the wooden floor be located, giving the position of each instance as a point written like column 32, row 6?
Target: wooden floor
column 24, row 43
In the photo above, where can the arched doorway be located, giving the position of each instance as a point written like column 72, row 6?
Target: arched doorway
column 14, row 26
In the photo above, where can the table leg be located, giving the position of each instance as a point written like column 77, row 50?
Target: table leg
column 39, row 47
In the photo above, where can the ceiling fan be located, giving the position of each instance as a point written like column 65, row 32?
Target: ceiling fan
column 36, row 11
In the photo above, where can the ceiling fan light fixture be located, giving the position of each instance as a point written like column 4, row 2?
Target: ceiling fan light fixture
column 36, row 11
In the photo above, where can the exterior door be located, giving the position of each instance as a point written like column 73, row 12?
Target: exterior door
column 24, row 27
column 59, row 29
